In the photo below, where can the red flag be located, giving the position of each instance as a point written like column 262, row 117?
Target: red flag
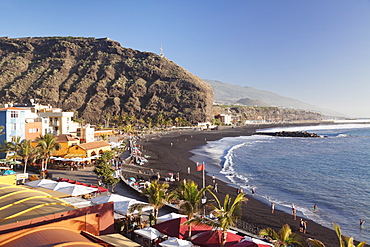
column 200, row 167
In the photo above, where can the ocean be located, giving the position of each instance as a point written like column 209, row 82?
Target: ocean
column 332, row 172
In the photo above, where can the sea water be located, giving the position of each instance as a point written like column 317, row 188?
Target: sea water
column 332, row 172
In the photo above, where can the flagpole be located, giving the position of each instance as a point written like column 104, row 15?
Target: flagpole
column 204, row 182
column 204, row 193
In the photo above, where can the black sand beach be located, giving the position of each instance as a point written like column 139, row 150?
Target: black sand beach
column 256, row 215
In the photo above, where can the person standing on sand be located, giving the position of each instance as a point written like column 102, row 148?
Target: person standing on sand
column 301, row 225
column 215, row 188
column 272, row 207
column 294, row 214
column 213, row 179
column 188, row 169
column 253, row 192
column 314, row 208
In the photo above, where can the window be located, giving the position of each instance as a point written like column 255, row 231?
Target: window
column 13, row 114
column 13, row 126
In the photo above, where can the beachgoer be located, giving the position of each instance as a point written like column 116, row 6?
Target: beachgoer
column 188, row 169
column 304, row 226
column 178, row 176
column 237, row 191
column 294, row 214
column 301, row 225
column 253, row 192
column 272, row 207
column 361, row 223
column 293, row 208
column 213, row 179
column 314, row 208
column 215, row 188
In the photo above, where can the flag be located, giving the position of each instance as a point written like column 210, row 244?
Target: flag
column 200, row 167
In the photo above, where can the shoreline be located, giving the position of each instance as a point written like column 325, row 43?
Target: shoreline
column 256, row 214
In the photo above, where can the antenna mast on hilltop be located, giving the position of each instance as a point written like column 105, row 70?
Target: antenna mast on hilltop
column 161, row 54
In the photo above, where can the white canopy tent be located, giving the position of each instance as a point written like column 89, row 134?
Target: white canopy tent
column 148, row 232
column 170, row 216
column 122, row 207
column 57, row 186
column 175, row 242
column 40, row 182
column 77, row 190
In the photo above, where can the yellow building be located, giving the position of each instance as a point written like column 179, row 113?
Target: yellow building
column 88, row 149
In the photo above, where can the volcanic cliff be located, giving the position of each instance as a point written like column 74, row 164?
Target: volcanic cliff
column 95, row 77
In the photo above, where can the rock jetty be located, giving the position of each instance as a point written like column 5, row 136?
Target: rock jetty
column 290, row 134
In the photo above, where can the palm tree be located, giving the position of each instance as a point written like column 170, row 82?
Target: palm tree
column 191, row 199
column 344, row 241
column 7, row 147
column 47, row 144
column 157, row 196
column 225, row 213
column 26, row 151
column 284, row 237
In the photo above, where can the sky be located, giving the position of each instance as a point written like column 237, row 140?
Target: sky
column 316, row 51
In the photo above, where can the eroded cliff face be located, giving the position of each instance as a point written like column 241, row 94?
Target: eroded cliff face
column 96, row 77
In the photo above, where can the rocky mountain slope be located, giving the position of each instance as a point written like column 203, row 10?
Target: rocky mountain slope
column 225, row 93
column 94, row 77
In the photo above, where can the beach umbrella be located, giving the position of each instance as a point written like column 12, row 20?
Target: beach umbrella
column 170, row 216
column 252, row 242
column 148, row 232
column 38, row 183
column 175, row 242
column 9, row 172
column 213, row 239
column 175, row 228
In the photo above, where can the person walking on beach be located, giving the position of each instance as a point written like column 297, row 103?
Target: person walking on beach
column 253, row 192
column 314, row 208
column 188, row 169
column 294, row 214
column 215, row 188
column 272, row 207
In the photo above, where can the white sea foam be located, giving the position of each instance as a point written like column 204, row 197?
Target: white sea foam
column 316, row 127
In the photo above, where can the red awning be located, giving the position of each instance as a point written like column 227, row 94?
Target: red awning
column 213, row 239
column 174, row 228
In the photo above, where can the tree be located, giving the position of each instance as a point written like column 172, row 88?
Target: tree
column 344, row 241
column 104, row 170
column 157, row 196
column 225, row 213
column 284, row 237
column 191, row 199
column 26, row 151
column 47, row 144
column 7, row 147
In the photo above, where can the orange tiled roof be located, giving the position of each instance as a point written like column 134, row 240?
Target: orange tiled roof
column 94, row 145
column 66, row 138
column 11, row 108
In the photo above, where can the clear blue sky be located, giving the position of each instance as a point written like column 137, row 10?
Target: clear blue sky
column 316, row 51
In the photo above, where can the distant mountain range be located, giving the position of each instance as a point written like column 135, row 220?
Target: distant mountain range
column 229, row 94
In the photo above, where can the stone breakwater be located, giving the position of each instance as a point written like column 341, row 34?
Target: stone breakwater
column 291, row 134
